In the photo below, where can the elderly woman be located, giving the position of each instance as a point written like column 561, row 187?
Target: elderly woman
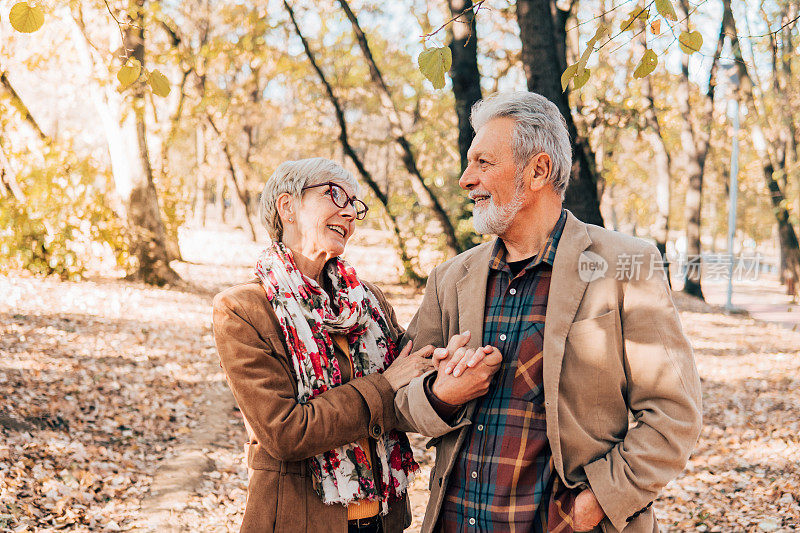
column 310, row 353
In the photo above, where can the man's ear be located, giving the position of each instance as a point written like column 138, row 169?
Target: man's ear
column 285, row 205
column 538, row 171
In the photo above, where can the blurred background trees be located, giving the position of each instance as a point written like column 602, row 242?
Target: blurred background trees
column 100, row 177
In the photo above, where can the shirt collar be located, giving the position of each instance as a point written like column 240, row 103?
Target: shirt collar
column 497, row 259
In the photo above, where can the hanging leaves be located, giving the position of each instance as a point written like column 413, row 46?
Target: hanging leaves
column 666, row 9
column 637, row 13
column 433, row 63
column 580, row 79
column 646, row 65
column 26, row 18
column 690, row 42
column 578, row 71
column 129, row 72
column 158, row 83
column 655, row 27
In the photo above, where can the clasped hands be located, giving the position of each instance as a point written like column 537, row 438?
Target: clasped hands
column 463, row 373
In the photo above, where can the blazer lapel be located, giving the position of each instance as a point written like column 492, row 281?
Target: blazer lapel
column 564, row 297
column 471, row 290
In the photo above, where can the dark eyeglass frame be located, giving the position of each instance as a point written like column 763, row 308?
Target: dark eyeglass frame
column 360, row 207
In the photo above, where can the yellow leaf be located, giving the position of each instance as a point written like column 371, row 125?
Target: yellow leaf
column 666, row 9
column 581, row 78
column 568, row 75
column 433, row 63
column 690, row 42
column 637, row 13
column 159, row 83
column 129, row 72
column 655, row 27
column 646, row 65
column 26, row 18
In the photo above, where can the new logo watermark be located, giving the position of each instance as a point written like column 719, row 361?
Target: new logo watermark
column 714, row 267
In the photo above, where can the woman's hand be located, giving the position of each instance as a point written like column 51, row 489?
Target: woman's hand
column 408, row 366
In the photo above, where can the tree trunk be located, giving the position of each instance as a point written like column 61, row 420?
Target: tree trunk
column 235, row 180
column 788, row 237
column 543, row 34
column 695, row 143
column 426, row 196
column 409, row 271
column 20, row 106
column 8, row 178
column 464, row 72
column 661, row 167
column 148, row 238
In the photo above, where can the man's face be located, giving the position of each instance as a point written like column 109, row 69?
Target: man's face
column 491, row 177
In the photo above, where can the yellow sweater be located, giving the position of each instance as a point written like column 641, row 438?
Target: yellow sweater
column 362, row 508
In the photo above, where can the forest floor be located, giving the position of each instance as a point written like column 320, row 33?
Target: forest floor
column 115, row 414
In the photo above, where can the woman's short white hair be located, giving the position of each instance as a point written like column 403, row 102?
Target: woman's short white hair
column 290, row 177
column 540, row 128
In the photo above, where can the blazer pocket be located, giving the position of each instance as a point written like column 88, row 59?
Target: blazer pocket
column 592, row 343
column 597, row 324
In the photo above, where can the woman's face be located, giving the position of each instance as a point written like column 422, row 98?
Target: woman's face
column 323, row 227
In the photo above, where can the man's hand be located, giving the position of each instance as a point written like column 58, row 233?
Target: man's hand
column 586, row 512
column 474, row 381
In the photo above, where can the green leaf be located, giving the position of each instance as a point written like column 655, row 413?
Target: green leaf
column 581, row 78
column 666, row 9
column 646, row 65
column 568, row 74
column 690, row 42
column 129, row 72
column 159, row 83
column 433, row 63
column 26, row 18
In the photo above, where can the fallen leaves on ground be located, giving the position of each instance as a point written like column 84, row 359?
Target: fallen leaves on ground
column 102, row 380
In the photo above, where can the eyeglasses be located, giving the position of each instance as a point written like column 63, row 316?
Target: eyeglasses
column 340, row 198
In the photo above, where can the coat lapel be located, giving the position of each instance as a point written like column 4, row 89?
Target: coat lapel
column 471, row 290
column 564, row 297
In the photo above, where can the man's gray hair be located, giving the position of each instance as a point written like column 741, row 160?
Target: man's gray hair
column 290, row 177
column 540, row 128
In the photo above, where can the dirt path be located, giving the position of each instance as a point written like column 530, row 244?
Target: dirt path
column 116, row 415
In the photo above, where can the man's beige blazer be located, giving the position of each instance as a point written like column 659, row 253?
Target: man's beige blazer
column 622, row 393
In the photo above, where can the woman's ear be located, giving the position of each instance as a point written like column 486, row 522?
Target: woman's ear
column 285, row 205
column 538, row 170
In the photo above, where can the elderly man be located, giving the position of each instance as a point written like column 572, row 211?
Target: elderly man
column 596, row 404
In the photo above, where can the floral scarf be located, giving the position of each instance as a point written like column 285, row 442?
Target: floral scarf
column 308, row 318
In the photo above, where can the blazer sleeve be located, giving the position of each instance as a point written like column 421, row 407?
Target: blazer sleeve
column 414, row 410
column 663, row 394
column 263, row 385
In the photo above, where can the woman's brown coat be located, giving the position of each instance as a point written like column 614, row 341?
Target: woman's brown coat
column 284, row 433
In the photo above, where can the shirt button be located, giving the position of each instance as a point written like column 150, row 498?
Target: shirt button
column 474, row 475
column 512, row 292
column 503, row 337
column 472, row 521
column 480, row 427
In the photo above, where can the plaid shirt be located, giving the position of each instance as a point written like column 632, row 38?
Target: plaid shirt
column 503, row 478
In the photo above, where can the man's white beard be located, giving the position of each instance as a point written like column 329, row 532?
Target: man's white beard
column 493, row 219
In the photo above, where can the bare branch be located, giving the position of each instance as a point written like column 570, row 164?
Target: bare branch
column 474, row 7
